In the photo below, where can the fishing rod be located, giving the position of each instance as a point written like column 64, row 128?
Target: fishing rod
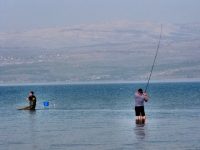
column 154, row 59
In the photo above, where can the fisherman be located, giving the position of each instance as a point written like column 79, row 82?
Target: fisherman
column 32, row 100
column 140, row 97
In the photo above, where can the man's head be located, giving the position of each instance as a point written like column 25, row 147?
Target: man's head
column 31, row 93
column 140, row 91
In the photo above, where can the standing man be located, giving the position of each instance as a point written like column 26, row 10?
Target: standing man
column 140, row 97
column 32, row 100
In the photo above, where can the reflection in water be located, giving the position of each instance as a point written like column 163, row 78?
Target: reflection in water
column 140, row 129
column 32, row 112
column 32, row 129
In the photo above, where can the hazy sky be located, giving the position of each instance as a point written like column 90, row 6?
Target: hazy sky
column 31, row 14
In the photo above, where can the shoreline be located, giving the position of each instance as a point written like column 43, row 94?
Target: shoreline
column 99, row 82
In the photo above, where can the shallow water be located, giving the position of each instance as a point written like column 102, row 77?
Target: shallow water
column 100, row 116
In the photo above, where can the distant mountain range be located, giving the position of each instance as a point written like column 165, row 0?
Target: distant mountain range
column 113, row 51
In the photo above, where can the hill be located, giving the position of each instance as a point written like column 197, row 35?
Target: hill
column 113, row 51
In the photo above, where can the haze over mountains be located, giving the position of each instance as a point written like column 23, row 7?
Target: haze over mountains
column 111, row 51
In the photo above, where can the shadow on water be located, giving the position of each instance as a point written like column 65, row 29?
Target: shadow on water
column 140, row 129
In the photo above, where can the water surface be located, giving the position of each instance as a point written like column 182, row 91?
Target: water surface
column 100, row 116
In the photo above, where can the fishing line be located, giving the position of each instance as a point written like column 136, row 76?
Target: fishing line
column 154, row 59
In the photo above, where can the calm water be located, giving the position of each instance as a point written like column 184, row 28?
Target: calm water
column 100, row 116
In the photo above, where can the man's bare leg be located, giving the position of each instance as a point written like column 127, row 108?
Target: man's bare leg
column 143, row 117
column 139, row 117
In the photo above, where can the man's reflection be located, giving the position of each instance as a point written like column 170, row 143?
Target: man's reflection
column 32, row 129
column 140, row 129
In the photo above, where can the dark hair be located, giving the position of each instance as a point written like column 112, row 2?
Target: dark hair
column 140, row 90
column 32, row 92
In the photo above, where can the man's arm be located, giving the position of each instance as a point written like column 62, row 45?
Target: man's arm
column 146, row 98
column 27, row 98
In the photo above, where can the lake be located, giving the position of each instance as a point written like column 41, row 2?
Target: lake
column 100, row 116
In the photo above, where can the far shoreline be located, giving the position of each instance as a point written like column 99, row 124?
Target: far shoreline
column 97, row 82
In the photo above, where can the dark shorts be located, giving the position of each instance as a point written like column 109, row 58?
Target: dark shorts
column 139, row 110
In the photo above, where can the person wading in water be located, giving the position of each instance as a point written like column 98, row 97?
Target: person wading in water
column 140, row 97
column 32, row 100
